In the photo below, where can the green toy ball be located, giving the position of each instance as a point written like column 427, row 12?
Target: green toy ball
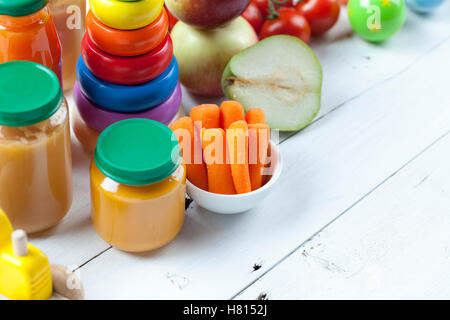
column 376, row 20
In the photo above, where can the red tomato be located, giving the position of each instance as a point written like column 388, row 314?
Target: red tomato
column 263, row 6
column 290, row 4
column 321, row 14
column 254, row 17
column 289, row 22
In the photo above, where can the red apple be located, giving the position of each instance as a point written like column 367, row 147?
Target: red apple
column 206, row 13
column 203, row 54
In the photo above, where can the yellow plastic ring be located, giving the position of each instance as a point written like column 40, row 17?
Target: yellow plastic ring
column 126, row 15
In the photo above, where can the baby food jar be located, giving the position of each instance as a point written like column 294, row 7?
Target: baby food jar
column 27, row 32
column 35, row 154
column 138, row 185
column 69, row 17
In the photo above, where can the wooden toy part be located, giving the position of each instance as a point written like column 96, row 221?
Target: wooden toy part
column 19, row 243
column 66, row 283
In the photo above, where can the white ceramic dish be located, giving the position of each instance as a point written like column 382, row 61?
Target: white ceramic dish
column 232, row 204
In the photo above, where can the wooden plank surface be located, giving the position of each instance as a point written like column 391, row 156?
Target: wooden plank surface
column 386, row 112
column 395, row 244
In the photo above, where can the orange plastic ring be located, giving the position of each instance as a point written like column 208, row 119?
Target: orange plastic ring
column 127, row 43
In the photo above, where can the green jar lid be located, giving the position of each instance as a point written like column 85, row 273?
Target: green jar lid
column 29, row 93
column 20, row 8
column 137, row 152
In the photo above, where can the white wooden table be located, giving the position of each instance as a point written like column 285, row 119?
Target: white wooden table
column 362, row 209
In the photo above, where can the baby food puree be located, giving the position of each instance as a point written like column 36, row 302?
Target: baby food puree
column 27, row 32
column 138, row 185
column 35, row 155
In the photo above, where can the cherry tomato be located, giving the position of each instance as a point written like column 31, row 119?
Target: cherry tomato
column 289, row 4
column 263, row 6
column 290, row 22
column 321, row 14
column 254, row 17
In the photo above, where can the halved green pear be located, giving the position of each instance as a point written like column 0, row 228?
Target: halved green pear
column 282, row 76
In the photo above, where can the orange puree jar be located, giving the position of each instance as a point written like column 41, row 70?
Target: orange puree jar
column 69, row 18
column 138, row 185
column 35, row 154
column 27, row 32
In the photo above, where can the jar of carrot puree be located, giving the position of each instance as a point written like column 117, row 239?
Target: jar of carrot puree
column 138, row 185
column 35, row 154
column 27, row 32
column 69, row 17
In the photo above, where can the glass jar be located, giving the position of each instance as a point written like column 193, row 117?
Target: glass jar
column 69, row 17
column 27, row 33
column 35, row 150
column 138, row 185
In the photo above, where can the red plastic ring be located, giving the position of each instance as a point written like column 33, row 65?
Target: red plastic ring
column 127, row 70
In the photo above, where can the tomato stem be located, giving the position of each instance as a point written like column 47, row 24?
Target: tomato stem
column 274, row 7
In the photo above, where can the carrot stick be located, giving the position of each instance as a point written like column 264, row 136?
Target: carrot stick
column 231, row 111
column 237, row 142
column 268, row 165
column 220, row 179
column 196, row 170
column 259, row 137
column 207, row 114
column 255, row 115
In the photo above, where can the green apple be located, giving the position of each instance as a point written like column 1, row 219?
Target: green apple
column 203, row 54
column 282, row 76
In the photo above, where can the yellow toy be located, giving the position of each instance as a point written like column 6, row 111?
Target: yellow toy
column 24, row 269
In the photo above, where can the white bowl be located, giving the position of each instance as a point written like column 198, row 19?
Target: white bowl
column 232, row 204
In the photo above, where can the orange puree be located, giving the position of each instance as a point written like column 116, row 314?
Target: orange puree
column 138, row 185
column 138, row 218
column 35, row 172
column 32, row 38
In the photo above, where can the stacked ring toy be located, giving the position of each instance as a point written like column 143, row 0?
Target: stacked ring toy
column 127, row 68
